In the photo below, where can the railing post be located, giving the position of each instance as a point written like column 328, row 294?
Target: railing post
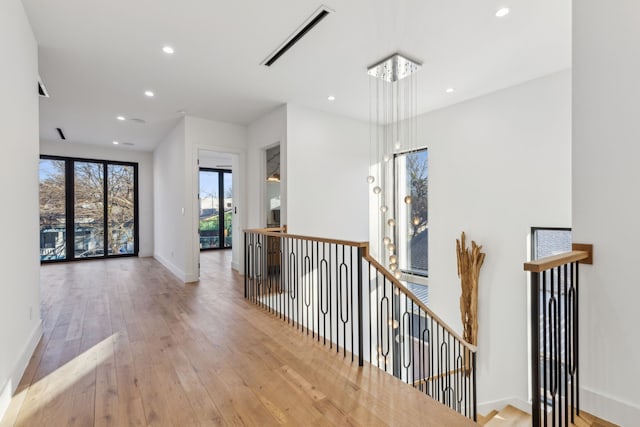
column 535, row 349
column 360, row 308
column 576, row 348
column 246, row 265
column 475, row 397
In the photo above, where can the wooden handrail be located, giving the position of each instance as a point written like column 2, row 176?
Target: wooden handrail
column 390, row 277
column 270, row 232
column 439, row 376
column 387, row 274
column 547, row 263
column 266, row 230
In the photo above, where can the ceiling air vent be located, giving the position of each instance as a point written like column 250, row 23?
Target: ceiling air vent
column 62, row 137
column 294, row 38
column 42, row 90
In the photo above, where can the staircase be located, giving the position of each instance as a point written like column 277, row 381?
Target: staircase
column 335, row 292
column 513, row 417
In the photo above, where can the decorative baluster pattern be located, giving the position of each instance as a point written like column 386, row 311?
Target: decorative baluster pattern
column 554, row 338
column 336, row 293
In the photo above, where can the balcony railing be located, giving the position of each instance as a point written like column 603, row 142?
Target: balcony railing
column 88, row 240
column 555, row 379
column 335, row 292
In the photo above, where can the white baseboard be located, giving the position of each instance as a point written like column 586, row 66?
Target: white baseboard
column 485, row 407
column 191, row 278
column 179, row 273
column 609, row 408
column 236, row 266
column 10, row 386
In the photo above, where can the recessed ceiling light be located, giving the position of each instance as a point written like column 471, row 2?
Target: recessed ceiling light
column 121, row 118
column 450, row 90
column 168, row 50
column 149, row 93
column 115, row 143
column 331, row 98
column 502, row 12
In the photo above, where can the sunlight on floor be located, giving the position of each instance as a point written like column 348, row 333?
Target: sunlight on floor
column 74, row 377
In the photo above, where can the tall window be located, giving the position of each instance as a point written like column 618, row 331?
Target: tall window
column 216, row 208
column 412, row 208
column 88, row 209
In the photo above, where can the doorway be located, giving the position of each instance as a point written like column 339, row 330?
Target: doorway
column 216, row 208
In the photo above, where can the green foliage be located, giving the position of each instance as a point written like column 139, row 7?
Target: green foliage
column 211, row 223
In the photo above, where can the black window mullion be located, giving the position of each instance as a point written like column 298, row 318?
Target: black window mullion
column 70, row 214
column 221, row 209
column 136, row 218
column 105, row 209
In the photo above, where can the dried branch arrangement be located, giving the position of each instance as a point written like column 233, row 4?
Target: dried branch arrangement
column 469, row 263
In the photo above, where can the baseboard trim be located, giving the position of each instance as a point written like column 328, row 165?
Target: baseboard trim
column 497, row 405
column 609, row 408
column 236, row 266
column 10, row 386
column 171, row 267
column 191, row 278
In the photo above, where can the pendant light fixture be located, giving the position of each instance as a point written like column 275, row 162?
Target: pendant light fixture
column 393, row 129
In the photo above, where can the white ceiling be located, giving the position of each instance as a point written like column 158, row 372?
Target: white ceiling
column 98, row 57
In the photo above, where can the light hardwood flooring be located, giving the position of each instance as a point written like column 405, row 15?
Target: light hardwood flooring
column 126, row 343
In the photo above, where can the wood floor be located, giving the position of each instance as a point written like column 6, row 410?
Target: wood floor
column 125, row 343
column 514, row 417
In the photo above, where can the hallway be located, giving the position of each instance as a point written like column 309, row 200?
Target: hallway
column 125, row 343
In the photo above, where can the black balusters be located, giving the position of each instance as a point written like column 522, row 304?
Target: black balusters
column 329, row 289
column 554, row 345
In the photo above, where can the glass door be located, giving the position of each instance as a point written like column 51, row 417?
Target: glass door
column 228, row 207
column 216, row 204
column 88, row 209
column 89, row 206
column 53, row 218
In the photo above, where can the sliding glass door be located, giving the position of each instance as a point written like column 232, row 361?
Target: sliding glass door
column 216, row 204
column 53, row 217
column 88, row 209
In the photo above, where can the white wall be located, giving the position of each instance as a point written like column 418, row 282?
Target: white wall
column 202, row 134
column 266, row 132
column 169, row 218
column 498, row 165
column 144, row 160
column 327, row 168
column 606, row 203
column 20, row 324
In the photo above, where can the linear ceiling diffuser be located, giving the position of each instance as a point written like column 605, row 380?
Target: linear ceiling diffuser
column 294, row 38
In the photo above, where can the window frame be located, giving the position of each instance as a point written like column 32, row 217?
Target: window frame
column 534, row 239
column 408, row 275
column 69, row 192
column 221, row 238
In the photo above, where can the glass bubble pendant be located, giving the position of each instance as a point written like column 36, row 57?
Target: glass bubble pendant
column 377, row 190
column 370, row 179
column 408, row 200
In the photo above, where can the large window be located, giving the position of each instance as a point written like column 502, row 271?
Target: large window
column 216, row 205
column 411, row 205
column 88, row 209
